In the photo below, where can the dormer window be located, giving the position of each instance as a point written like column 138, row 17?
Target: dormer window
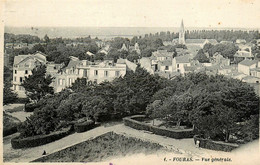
column 26, row 71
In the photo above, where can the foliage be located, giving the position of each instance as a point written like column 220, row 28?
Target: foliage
column 201, row 57
column 214, row 104
column 226, row 50
column 37, row 85
column 42, row 122
column 8, row 94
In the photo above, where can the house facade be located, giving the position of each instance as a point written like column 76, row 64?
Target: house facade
column 179, row 63
column 22, row 67
column 246, row 65
column 95, row 72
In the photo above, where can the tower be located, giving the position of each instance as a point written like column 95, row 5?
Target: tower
column 182, row 34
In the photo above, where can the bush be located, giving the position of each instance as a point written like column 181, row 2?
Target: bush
column 215, row 145
column 38, row 140
column 84, row 126
column 177, row 134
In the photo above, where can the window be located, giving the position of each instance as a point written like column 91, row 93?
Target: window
column 15, row 71
column 166, row 67
column 60, row 81
column 178, row 65
column 106, row 73
column 21, row 79
column 63, row 81
column 14, row 87
column 96, row 72
column 85, row 73
column 117, row 73
column 14, row 79
column 178, row 70
column 26, row 71
column 70, row 82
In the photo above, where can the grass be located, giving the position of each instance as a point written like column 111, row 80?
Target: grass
column 104, row 147
column 14, row 108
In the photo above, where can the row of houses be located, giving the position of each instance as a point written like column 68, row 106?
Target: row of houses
column 97, row 72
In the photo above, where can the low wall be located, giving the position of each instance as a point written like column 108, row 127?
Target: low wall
column 215, row 145
column 177, row 134
column 38, row 140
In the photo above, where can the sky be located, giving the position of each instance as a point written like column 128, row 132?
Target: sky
column 133, row 13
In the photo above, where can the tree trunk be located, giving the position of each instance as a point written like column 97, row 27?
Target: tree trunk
column 178, row 124
column 227, row 136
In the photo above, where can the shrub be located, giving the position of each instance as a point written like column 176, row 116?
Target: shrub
column 84, row 126
column 177, row 134
column 42, row 122
column 214, row 145
column 38, row 140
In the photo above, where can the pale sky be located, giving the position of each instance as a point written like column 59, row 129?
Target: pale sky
column 133, row 13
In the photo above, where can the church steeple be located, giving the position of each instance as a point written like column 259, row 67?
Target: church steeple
column 182, row 34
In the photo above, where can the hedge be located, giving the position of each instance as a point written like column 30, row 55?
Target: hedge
column 10, row 130
column 215, row 145
column 21, row 100
column 30, row 107
column 177, row 134
column 38, row 140
column 84, row 126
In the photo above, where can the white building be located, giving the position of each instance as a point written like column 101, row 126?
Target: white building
column 246, row 65
column 95, row 72
column 22, row 67
column 178, row 63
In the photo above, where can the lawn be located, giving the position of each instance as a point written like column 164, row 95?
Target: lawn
column 104, row 147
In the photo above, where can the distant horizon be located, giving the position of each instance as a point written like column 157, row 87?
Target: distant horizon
column 258, row 28
column 102, row 32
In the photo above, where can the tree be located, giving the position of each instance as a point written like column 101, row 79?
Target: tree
column 79, row 85
column 42, row 122
column 133, row 56
column 201, row 57
column 37, row 85
column 9, row 95
column 153, row 109
column 46, row 38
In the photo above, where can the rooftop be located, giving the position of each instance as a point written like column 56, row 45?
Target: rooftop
column 166, row 63
column 162, row 53
column 183, row 59
column 248, row 62
column 200, row 41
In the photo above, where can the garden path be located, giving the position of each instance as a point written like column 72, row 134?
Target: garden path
column 184, row 146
